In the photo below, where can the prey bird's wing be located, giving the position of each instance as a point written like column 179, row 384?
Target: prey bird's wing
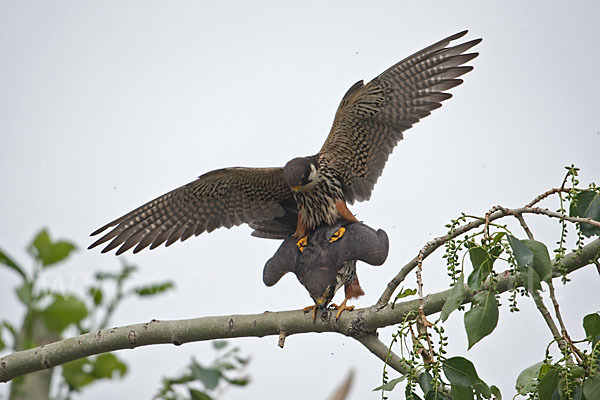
column 221, row 198
column 371, row 118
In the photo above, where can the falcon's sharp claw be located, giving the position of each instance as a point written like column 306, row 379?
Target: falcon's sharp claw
column 341, row 308
column 337, row 235
column 301, row 243
column 312, row 308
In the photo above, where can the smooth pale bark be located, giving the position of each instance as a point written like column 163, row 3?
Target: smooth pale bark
column 360, row 324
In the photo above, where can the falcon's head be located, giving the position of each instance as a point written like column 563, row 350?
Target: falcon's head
column 301, row 173
column 321, row 282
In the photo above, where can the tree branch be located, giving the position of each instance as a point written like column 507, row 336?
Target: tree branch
column 360, row 324
column 382, row 351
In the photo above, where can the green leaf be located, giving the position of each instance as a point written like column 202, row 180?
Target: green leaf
column 96, row 294
column 237, row 382
column 24, row 292
column 155, row 289
column 409, row 394
column 455, row 299
column 219, row 344
column 591, row 324
column 591, row 388
column 226, row 366
column 405, row 293
column 541, row 259
column 435, row 395
column 11, row 329
column 496, row 392
column 481, row 388
column 208, row 376
column 458, row 392
column 577, row 371
column 482, row 318
column 6, row 260
column 549, row 384
column 64, row 311
column 426, row 381
column 48, row 252
column 577, row 393
column 82, row 372
column 527, row 379
column 482, row 261
column 75, row 373
column 523, row 255
column 2, row 344
column 530, row 279
column 388, row 387
column 497, row 237
column 460, row 371
column 242, row 361
column 587, row 205
column 198, row 395
column 105, row 365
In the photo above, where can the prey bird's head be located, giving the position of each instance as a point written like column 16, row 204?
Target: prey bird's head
column 301, row 173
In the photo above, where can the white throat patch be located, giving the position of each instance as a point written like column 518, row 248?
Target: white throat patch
column 313, row 179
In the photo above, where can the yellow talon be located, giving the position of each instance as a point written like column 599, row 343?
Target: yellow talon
column 337, row 235
column 341, row 308
column 312, row 308
column 302, row 243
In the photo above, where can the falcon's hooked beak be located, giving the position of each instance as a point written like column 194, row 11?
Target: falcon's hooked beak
column 322, row 304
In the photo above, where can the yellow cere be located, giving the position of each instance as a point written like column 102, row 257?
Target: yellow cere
column 340, row 232
column 296, row 188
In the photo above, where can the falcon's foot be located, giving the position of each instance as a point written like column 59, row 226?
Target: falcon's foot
column 301, row 243
column 341, row 308
column 312, row 308
column 337, row 235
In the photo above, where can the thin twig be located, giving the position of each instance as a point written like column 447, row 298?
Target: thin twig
column 281, row 341
column 564, row 333
column 539, row 302
column 563, row 327
column 554, row 214
column 546, row 194
column 525, row 226
column 486, row 227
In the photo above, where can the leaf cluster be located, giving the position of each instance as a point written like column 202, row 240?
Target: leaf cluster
column 50, row 314
column 573, row 376
column 199, row 382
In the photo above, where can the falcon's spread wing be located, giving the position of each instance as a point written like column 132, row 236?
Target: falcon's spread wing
column 224, row 197
column 371, row 118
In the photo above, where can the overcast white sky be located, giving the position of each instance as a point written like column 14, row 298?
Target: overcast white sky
column 105, row 105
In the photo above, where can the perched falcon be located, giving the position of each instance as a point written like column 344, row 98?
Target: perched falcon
column 307, row 191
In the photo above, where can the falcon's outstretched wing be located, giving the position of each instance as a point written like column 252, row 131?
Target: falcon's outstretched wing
column 371, row 118
column 224, row 197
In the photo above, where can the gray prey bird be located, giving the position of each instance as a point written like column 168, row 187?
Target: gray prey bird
column 308, row 191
